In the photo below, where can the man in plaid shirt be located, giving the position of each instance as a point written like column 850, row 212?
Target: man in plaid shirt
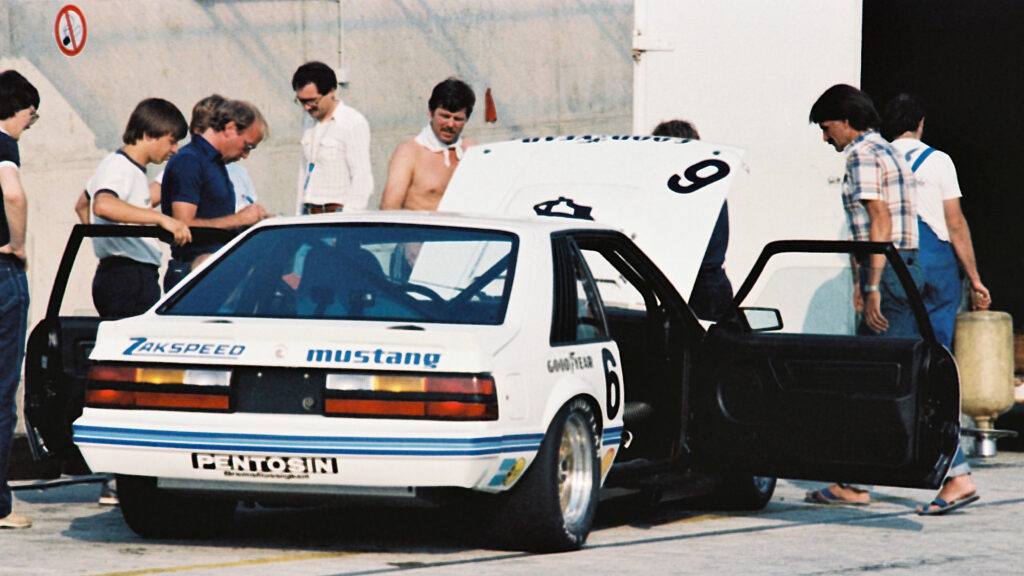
column 880, row 200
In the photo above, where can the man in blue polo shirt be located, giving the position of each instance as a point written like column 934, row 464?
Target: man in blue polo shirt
column 196, row 186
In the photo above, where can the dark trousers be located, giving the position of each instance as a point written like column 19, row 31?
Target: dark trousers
column 13, row 323
column 124, row 287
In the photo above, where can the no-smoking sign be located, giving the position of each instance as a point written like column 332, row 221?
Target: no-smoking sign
column 69, row 28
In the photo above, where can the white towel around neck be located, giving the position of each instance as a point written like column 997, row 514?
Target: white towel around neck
column 430, row 141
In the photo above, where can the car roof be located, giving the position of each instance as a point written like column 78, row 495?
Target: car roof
column 517, row 224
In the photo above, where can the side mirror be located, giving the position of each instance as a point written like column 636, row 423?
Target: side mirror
column 761, row 319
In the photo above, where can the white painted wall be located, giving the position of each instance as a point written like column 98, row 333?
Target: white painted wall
column 746, row 73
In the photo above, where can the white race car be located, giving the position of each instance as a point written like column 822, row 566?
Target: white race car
column 525, row 361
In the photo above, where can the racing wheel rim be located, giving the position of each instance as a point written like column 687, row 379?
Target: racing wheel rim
column 575, row 468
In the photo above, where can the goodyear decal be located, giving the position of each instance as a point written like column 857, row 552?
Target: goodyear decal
column 379, row 357
column 276, row 467
column 142, row 346
column 570, row 363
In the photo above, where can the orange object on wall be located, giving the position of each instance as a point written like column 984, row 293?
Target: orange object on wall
column 490, row 113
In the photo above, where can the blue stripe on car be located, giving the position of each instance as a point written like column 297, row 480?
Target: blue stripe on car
column 358, row 445
column 612, row 436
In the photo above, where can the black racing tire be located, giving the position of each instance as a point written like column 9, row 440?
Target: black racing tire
column 154, row 513
column 552, row 507
column 744, row 492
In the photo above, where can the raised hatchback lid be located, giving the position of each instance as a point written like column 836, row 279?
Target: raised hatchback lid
column 665, row 193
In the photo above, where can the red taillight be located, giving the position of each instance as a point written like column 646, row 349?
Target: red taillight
column 426, row 397
column 160, row 388
column 133, row 399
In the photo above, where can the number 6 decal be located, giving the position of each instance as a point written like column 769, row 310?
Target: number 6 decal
column 697, row 181
column 613, row 398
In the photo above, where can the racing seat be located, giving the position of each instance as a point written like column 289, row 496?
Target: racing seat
column 344, row 275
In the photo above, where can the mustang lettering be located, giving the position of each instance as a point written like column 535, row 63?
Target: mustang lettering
column 377, row 356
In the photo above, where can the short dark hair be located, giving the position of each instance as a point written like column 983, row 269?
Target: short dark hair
column 844, row 102
column 203, row 111
column 316, row 73
column 453, row 95
column 242, row 113
column 156, row 118
column 16, row 94
column 902, row 114
column 676, row 129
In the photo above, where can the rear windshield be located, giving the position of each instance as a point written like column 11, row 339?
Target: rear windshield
column 358, row 272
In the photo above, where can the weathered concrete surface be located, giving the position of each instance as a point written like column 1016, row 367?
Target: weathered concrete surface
column 73, row 535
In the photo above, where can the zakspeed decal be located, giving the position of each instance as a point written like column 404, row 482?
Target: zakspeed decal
column 276, row 467
column 570, row 363
column 378, row 356
column 145, row 347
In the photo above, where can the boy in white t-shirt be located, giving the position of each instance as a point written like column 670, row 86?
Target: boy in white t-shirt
column 127, row 278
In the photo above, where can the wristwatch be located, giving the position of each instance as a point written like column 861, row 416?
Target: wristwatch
column 871, row 288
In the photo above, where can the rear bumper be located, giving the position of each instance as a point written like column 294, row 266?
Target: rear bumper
column 245, row 453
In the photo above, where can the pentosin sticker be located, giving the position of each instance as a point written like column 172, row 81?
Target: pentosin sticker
column 277, row 467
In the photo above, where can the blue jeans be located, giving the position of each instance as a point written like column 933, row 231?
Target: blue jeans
column 895, row 306
column 942, row 292
column 13, row 323
column 942, row 288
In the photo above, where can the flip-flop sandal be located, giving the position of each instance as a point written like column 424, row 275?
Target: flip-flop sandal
column 943, row 506
column 826, row 497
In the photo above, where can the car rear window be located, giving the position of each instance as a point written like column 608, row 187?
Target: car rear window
column 358, row 272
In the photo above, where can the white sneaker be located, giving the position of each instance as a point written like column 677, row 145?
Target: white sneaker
column 15, row 521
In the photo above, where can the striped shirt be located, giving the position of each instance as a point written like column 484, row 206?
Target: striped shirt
column 876, row 171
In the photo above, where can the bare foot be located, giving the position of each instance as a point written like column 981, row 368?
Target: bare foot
column 836, row 494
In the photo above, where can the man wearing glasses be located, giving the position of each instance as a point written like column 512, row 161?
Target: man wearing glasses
column 19, row 102
column 335, row 173
column 196, row 187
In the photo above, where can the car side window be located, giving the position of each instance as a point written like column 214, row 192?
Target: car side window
column 816, row 293
column 578, row 315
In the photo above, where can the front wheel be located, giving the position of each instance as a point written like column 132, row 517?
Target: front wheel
column 552, row 508
column 745, row 492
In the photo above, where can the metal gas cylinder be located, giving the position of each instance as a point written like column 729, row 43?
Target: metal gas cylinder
column 983, row 347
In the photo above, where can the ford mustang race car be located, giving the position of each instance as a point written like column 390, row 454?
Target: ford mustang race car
column 522, row 362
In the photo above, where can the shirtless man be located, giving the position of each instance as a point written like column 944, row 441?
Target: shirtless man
column 422, row 166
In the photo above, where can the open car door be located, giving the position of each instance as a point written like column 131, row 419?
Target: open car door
column 787, row 389
column 57, row 352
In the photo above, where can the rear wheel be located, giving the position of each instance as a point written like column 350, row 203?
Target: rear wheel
column 154, row 513
column 552, row 508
